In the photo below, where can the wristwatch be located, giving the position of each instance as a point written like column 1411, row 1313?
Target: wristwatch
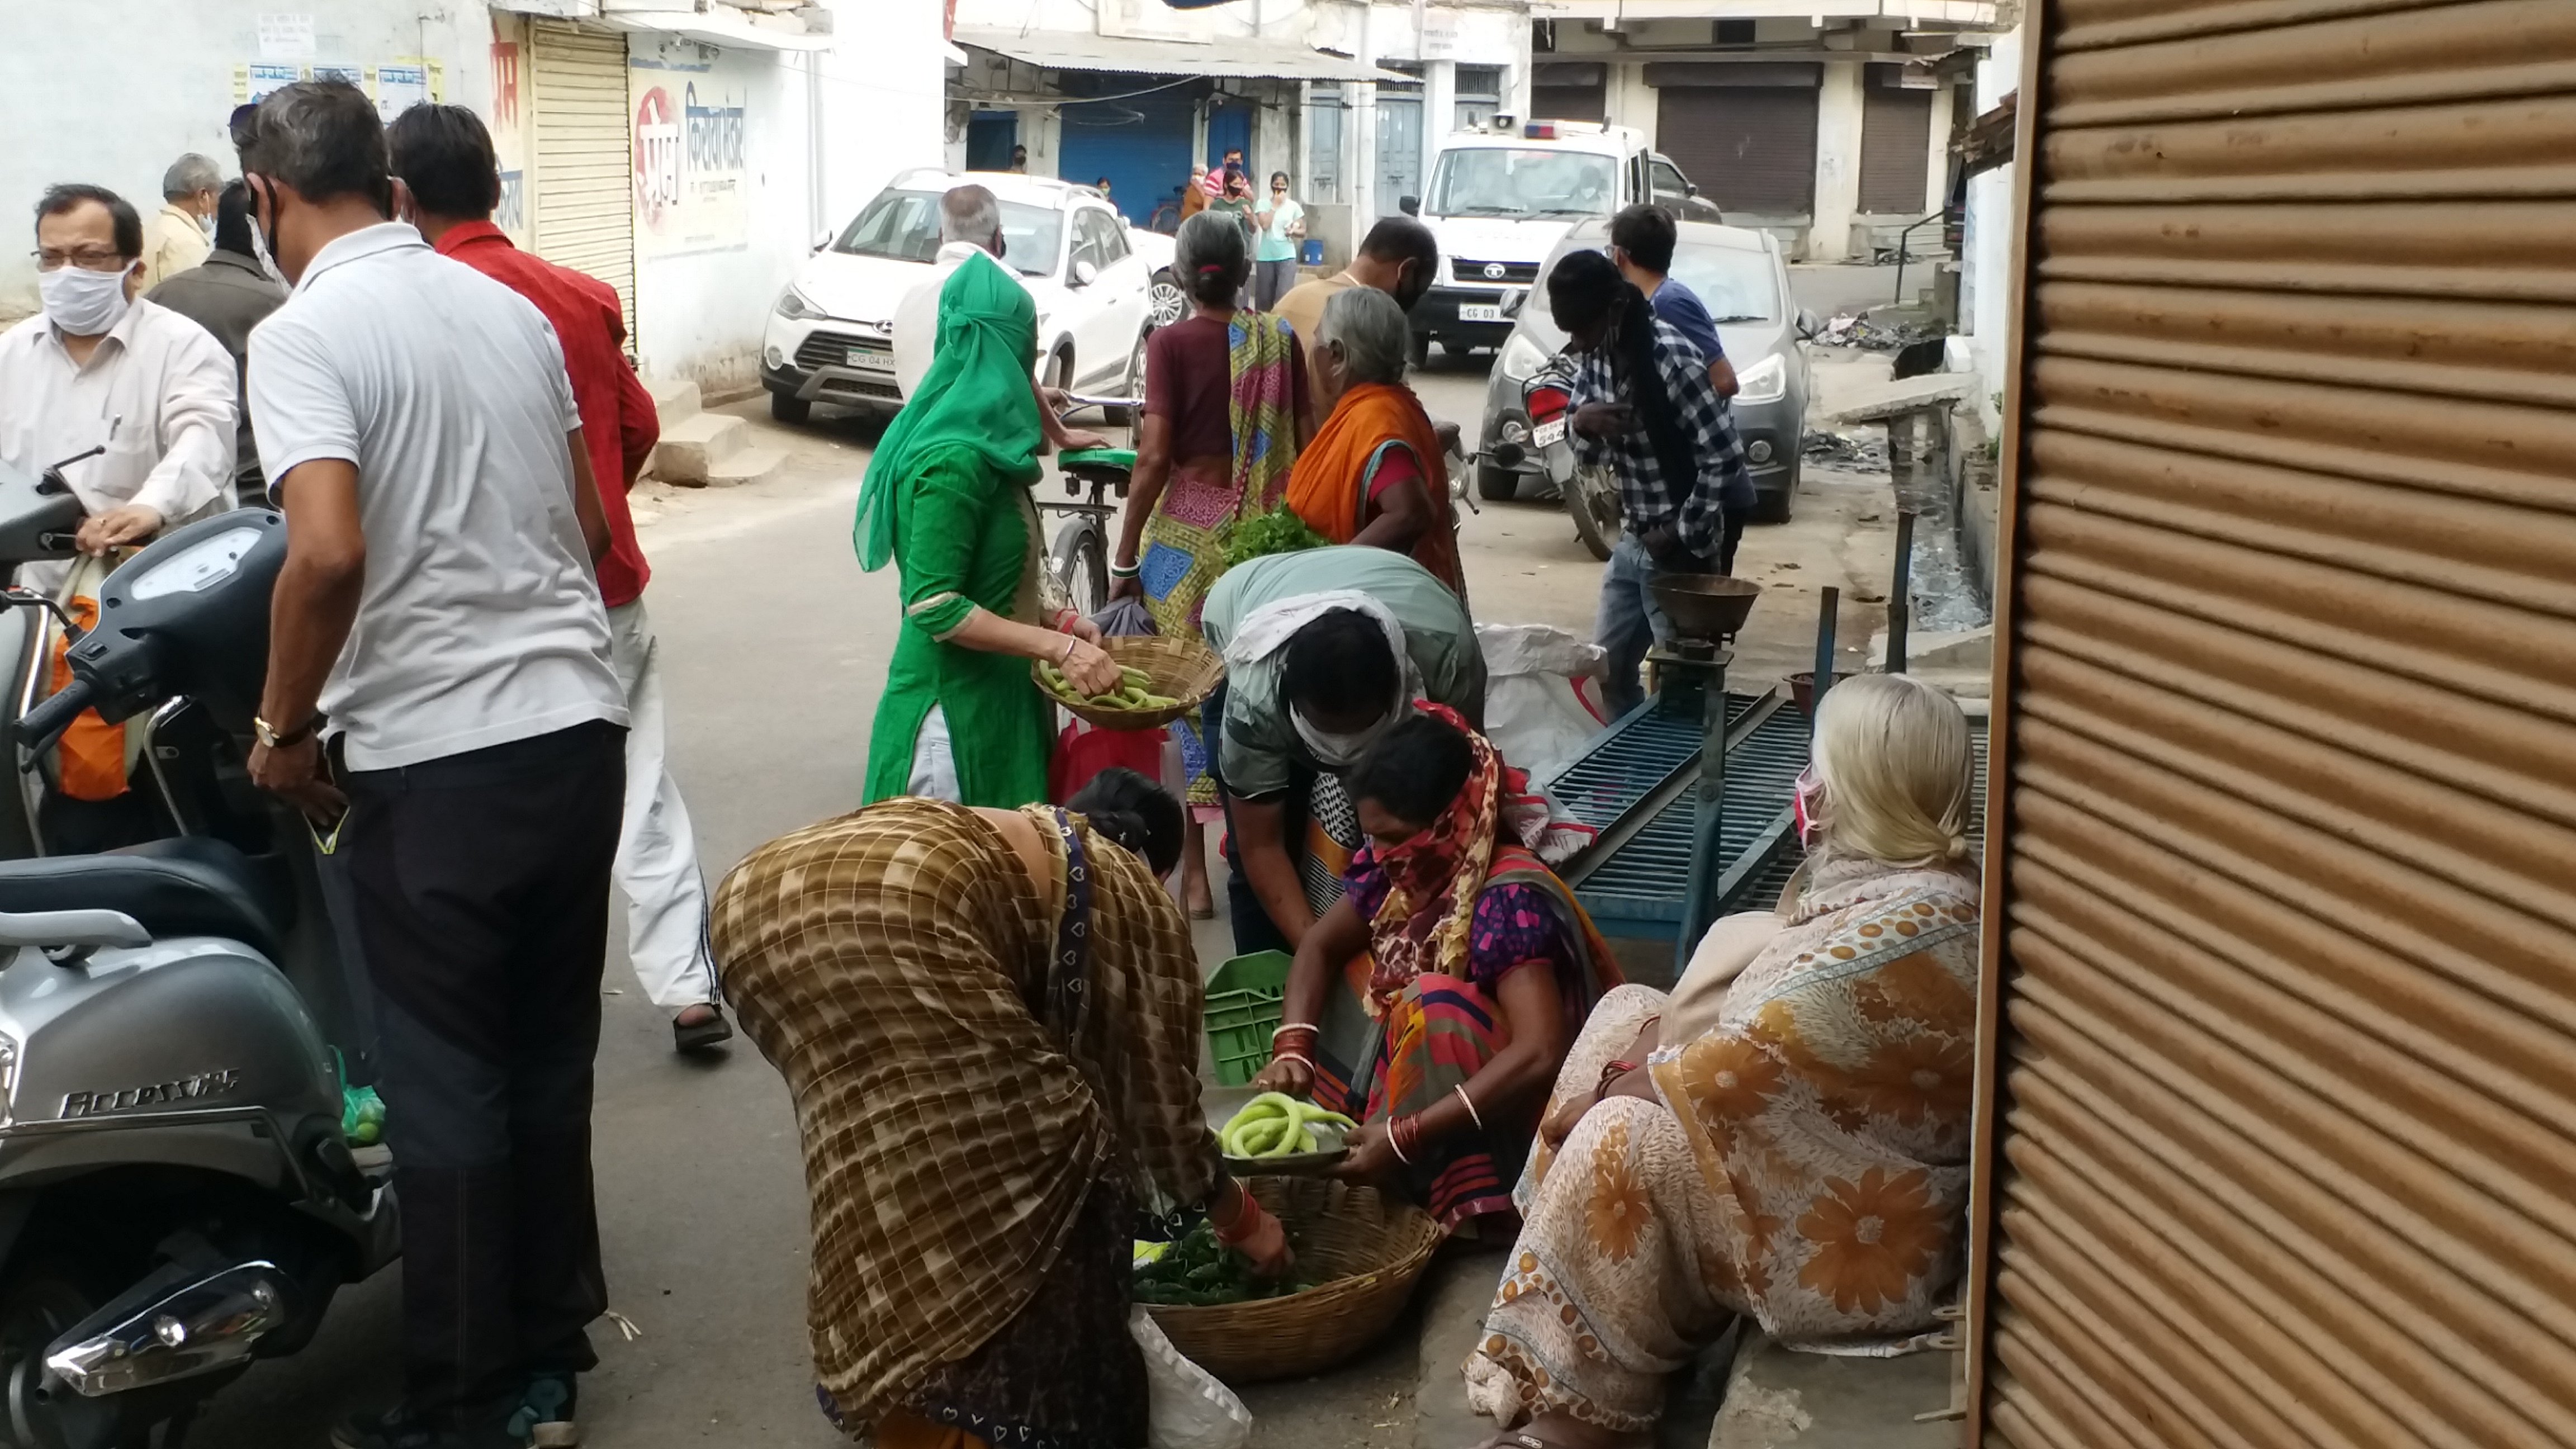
column 270, row 736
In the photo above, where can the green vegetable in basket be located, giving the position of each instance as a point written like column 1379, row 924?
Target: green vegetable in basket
column 1200, row 1272
column 1278, row 531
column 1135, row 690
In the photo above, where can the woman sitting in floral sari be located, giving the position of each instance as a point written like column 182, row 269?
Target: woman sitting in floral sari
column 1789, row 1144
column 1435, row 999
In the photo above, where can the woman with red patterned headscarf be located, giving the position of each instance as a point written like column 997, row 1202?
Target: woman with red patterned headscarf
column 1436, row 1000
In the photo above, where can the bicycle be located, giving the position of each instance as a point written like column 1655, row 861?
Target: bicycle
column 1095, row 480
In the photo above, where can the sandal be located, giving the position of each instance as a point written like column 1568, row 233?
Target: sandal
column 699, row 1036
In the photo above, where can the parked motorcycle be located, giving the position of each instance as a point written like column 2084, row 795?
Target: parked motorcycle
column 177, row 1198
column 1591, row 495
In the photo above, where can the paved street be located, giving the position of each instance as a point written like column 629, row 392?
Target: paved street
column 775, row 643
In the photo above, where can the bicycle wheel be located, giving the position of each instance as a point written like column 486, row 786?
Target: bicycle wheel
column 1081, row 565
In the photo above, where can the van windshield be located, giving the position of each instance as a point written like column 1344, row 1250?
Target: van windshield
column 1510, row 181
column 904, row 225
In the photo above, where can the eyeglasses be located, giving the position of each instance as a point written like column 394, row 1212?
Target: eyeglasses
column 88, row 259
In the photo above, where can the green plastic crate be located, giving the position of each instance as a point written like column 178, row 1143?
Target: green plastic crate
column 1243, row 1005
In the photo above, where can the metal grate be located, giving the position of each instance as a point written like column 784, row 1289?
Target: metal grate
column 1763, row 890
column 833, row 349
column 1647, row 878
column 1631, row 758
column 1518, row 274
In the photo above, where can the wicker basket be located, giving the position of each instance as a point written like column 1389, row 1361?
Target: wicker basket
column 1376, row 1251
column 1185, row 669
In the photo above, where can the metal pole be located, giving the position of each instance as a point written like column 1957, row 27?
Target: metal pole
column 1900, row 595
column 1824, row 653
column 1708, row 821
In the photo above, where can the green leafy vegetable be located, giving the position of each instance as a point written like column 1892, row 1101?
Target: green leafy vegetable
column 1278, row 531
column 1200, row 1272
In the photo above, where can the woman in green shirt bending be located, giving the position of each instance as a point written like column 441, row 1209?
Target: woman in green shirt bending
column 946, row 498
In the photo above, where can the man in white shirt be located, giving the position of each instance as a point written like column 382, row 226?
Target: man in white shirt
column 970, row 221
column 437, row 607
column 148, row 393
column 184, row 231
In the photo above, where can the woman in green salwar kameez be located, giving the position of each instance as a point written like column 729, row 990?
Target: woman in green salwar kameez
column 946, row 498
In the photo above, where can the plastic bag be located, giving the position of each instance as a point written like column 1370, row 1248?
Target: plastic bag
column 1187, row 1408
column 1542, row 694
column 1124, row 618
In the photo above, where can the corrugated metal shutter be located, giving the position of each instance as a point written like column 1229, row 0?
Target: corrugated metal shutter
column 1751, row 149
column 2282, row 1113
column 585, row 205
column 1571, row 103
column 1895, row 147
column 1141, row 145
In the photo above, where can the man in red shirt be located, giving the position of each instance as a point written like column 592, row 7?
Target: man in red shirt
column 444, row 156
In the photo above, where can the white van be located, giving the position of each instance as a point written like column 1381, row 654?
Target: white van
column 1503, row 195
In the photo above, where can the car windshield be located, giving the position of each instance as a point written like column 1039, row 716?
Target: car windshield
column 1509, row 181
column 1735, row 286
column 904, row 225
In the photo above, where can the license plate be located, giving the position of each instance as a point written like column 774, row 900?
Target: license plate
column 1480, row 311
column 1547, row 435
column 872, row 361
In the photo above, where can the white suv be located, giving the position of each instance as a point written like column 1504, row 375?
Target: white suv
column 1101, row 288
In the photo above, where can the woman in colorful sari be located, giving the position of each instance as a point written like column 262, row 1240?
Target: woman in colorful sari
column 1225, row 413
column 1434, row 1001
column 989, row 1024
column 1786, row 1136
column 1375, row 474
column 947, row 500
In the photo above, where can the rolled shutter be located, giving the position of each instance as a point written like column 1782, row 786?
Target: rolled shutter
column 1750, row 149
column 2279, row 1128
column 1895, row 146
column 585, row 204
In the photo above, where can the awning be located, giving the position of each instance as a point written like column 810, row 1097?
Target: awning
column 1241, row 59
column 725, row 27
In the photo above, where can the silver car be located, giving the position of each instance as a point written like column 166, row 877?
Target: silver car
column 1740, row 278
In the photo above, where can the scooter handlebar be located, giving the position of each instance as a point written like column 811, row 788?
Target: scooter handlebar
column 38, row 728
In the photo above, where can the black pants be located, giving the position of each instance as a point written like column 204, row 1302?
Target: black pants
column 481, row 886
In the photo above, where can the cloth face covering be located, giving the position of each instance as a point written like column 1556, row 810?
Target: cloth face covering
column 82, row 302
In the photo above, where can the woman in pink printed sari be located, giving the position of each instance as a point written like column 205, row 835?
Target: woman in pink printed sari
column 1436, row 1000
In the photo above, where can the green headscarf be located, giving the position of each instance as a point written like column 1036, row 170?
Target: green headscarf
column 975, row 397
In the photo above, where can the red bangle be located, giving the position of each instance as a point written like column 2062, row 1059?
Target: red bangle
column 1247, row 1219
column 1404, row 1134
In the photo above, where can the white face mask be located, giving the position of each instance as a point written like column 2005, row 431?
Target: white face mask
column 259, row 249
column 1339, row 752
column 81, row 302
column 206, row 224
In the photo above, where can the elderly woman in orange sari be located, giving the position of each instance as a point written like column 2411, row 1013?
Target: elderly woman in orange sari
column 1374, row 473
column 1785, row 1137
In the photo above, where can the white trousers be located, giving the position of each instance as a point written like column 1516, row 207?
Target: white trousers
column 934, row 761
column 657, row 852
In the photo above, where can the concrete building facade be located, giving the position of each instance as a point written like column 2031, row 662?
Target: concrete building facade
column 1827, row 123
column 689, row 156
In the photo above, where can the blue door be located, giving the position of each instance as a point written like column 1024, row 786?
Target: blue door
column 1230, row 126
column 1141, row 146
column 990, row 135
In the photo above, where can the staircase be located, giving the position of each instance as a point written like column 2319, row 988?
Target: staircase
column 700, row 449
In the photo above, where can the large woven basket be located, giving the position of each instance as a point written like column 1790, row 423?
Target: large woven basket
column 1373, row 1249
column 1185, row 669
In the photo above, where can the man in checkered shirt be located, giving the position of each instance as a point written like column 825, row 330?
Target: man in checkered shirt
column 1644, row 408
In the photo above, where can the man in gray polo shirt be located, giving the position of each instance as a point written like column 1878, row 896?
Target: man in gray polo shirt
column 438, row 620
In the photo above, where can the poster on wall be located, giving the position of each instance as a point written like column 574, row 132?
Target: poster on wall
column 692, row 168
column 399, row 88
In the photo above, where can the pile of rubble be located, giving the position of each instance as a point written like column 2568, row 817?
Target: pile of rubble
column 1860, row 452
column 1860, row 330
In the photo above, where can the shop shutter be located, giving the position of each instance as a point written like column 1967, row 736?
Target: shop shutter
column 1142, row 145
column 2279, row 1121
column 1895, row 147
column 1750, row 149
column 585, row 204
column 1570, row 103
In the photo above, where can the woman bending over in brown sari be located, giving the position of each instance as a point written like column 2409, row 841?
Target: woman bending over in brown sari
column 1786, row 1141
column 989, row 1023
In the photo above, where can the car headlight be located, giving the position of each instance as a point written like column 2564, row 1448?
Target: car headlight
column 793, row 305
column 1521, row 357
column 1763, row 382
